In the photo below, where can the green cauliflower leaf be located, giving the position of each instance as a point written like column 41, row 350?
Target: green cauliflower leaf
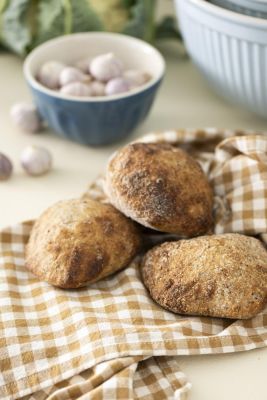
column 114, row 14
column 25, row 24
column 141, row 22
column 16, row 27
column 83, row 17
column 50, row 20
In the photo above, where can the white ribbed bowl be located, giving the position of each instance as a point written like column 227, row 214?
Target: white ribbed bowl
column 254, row 8
column 230, row 49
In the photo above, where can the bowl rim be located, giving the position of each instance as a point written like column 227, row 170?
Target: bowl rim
column 224, row 13
column 250, row 5
column 251, row 1
column 32, row 81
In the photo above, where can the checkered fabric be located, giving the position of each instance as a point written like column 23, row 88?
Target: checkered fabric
column 110, row 340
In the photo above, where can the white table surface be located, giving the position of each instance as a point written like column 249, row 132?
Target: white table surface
column 184, row 100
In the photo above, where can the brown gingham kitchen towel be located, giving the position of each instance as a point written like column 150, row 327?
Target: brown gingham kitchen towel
column 110, row 340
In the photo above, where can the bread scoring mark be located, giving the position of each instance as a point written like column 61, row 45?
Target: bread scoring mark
column 84, row 266
column 96, row 265
column 75, row 258
column 73, row 268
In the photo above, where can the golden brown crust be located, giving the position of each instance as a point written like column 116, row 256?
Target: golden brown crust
column 161, row 187
column 76, row 242
column 220, row 276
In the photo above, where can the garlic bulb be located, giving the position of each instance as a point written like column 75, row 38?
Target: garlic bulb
column 77, row 89
column 83, row 65
column 106, row 67
column 117, row 85
column 6, row 167
column 136, row 77
column 36, row 160
column 98, row 88
column 71, row 74
column 49, row 74
column 26, row 117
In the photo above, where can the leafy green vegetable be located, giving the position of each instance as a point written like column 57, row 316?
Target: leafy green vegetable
column 113, row 14
column 141, row 24
column 83, row 17
column 26, row 23
column 16, row 30
column 50, row 20
column 168, row 29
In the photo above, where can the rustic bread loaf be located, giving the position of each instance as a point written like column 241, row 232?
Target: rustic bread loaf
column 219, row 276
column 77, row 242
column 161, row 187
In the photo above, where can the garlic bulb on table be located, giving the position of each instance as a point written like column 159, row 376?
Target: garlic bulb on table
column 106, row 67
column 26, row 117
column 36, row 160
column 6, row 167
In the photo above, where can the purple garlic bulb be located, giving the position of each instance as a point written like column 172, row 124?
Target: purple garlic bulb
column 36, row 160
column 117, row 85
column 6, row 167
column 78, row 89
column 71, row 74
column 49, row 74
column 26, row 117
column 106, row 67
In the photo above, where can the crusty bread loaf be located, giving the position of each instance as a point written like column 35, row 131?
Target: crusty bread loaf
column 161, row 187
column 76, row 242
column 218, row 275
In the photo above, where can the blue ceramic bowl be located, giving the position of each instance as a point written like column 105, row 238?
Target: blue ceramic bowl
column 95, row 120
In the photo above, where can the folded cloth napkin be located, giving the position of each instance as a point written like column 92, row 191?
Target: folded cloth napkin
column 110, row 340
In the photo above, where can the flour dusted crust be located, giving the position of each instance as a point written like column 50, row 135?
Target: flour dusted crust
column 220, row 276
column 77, row 242
column 161, row 187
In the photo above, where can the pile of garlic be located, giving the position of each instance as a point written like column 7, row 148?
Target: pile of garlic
column 104, row 75
column 34, row 160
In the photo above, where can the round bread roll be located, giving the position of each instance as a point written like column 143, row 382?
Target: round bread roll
column 77, row 242
column 219, row 276
column 161, row 187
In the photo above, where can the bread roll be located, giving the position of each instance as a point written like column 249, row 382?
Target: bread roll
column 220, row 276
column 77, row 242
column 161, row 187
